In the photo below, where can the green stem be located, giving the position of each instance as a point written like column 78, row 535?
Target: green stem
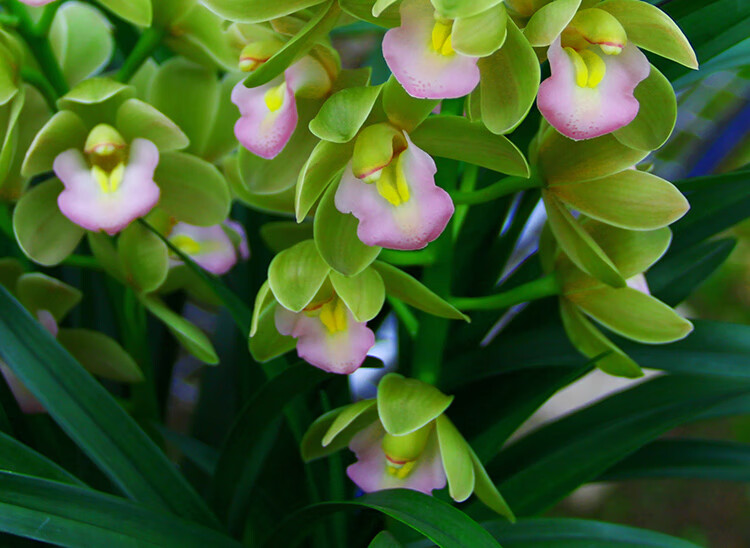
column 8, row 20
column 38, row 80
column 82, row 261
column 422, row 257
column 508, row 185
column 48, row 15
column 405, row 316
column 144, row 48
column 40, row 48
column 546, row 286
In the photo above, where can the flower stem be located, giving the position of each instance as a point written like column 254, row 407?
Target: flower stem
column 546, row 286
column 144, row 48
column 503, row 187
column 48, row 15
column 38, row 80
column 40, row 48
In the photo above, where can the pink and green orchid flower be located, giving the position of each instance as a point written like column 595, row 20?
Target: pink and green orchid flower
column 390, row 188
column 268, row 113
column 215, row 248
column 403, row 440
column 328, row 336
column 595, row 70
column 110, row 184
column 421, row 56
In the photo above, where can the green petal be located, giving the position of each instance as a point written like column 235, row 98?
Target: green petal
column 457, row 138
column 549, row 21
column 96, row 100
column 563, row 160
column 509, row 83
column 323, row 166
column 592, row 343
column 578, row 245
column 44, row 234
column 405, row 405
column 457, row 462
column 633, row 314
column 312, row 442
column 454, row 9
column 38, row 291
column 336, row 238
column 137, row 12
column 486, row 491
column 296, row 274
column 138, row 119
column 262, row 301
column 651, row 29
column 630, row 199
column 344, row 112
column 192, row 190
column 481, row 34
column 363, row 294
column 656, row 116
column 404, row 111
column 346, row 417
column 100, row 355
column 144, row 256
column 405, row 287
column 268, row 343
column 256, row 11
column 65, row 130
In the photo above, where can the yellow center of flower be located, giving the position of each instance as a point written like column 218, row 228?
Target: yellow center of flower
column 391, row 183
column 274, row 97
column 402, row 452
column 186, row 244
column 108, row 181
column 589, row 67
column 333, row 315
column 442, row 41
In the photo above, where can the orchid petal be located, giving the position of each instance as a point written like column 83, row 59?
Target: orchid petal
column 422, row 71
column 411, row 225
column 263, row 132
column 370, row 471
column 340, row 352
column 583, row 112
column 86, row 204
column 215, row 250
column 36, row 3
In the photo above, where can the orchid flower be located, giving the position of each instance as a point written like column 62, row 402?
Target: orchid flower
column 595, row 71
column 402, row 439
column 328, row 336
column 390, row 187
column 212, row 247
column 110, row 184
column 269, row 112
column 421, row 56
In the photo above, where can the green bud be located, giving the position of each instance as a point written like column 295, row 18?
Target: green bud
column 256, row 53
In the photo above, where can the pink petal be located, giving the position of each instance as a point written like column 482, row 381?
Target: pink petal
column 217, row 253
column 262, row 132
column 342, row 352
column 585, row 113
column 36, row 2
column 83, row 201
column 423, row 72
column 411, row 225
column 370, row 472
column 639, row 283
column 48, row 321
column 244, row 247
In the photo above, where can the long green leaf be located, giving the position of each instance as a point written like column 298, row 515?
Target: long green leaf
column 546, row 465
column 578, row 533
column 91, row 417
column 17, row 458
column 685, row 458
column 251, row 438
column 441, row 523
column 72, row 516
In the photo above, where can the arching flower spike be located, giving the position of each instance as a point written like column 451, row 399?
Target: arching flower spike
column 421, row 56
column 595, row 71
column 390, row 187
column 112, row 185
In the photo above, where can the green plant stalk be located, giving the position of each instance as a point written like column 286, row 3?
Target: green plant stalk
column 40, row 82
column 405, row 316
column 40, row 47
column 546, row 286
column 433, row 331
column 144, row 48
column 503, row 187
